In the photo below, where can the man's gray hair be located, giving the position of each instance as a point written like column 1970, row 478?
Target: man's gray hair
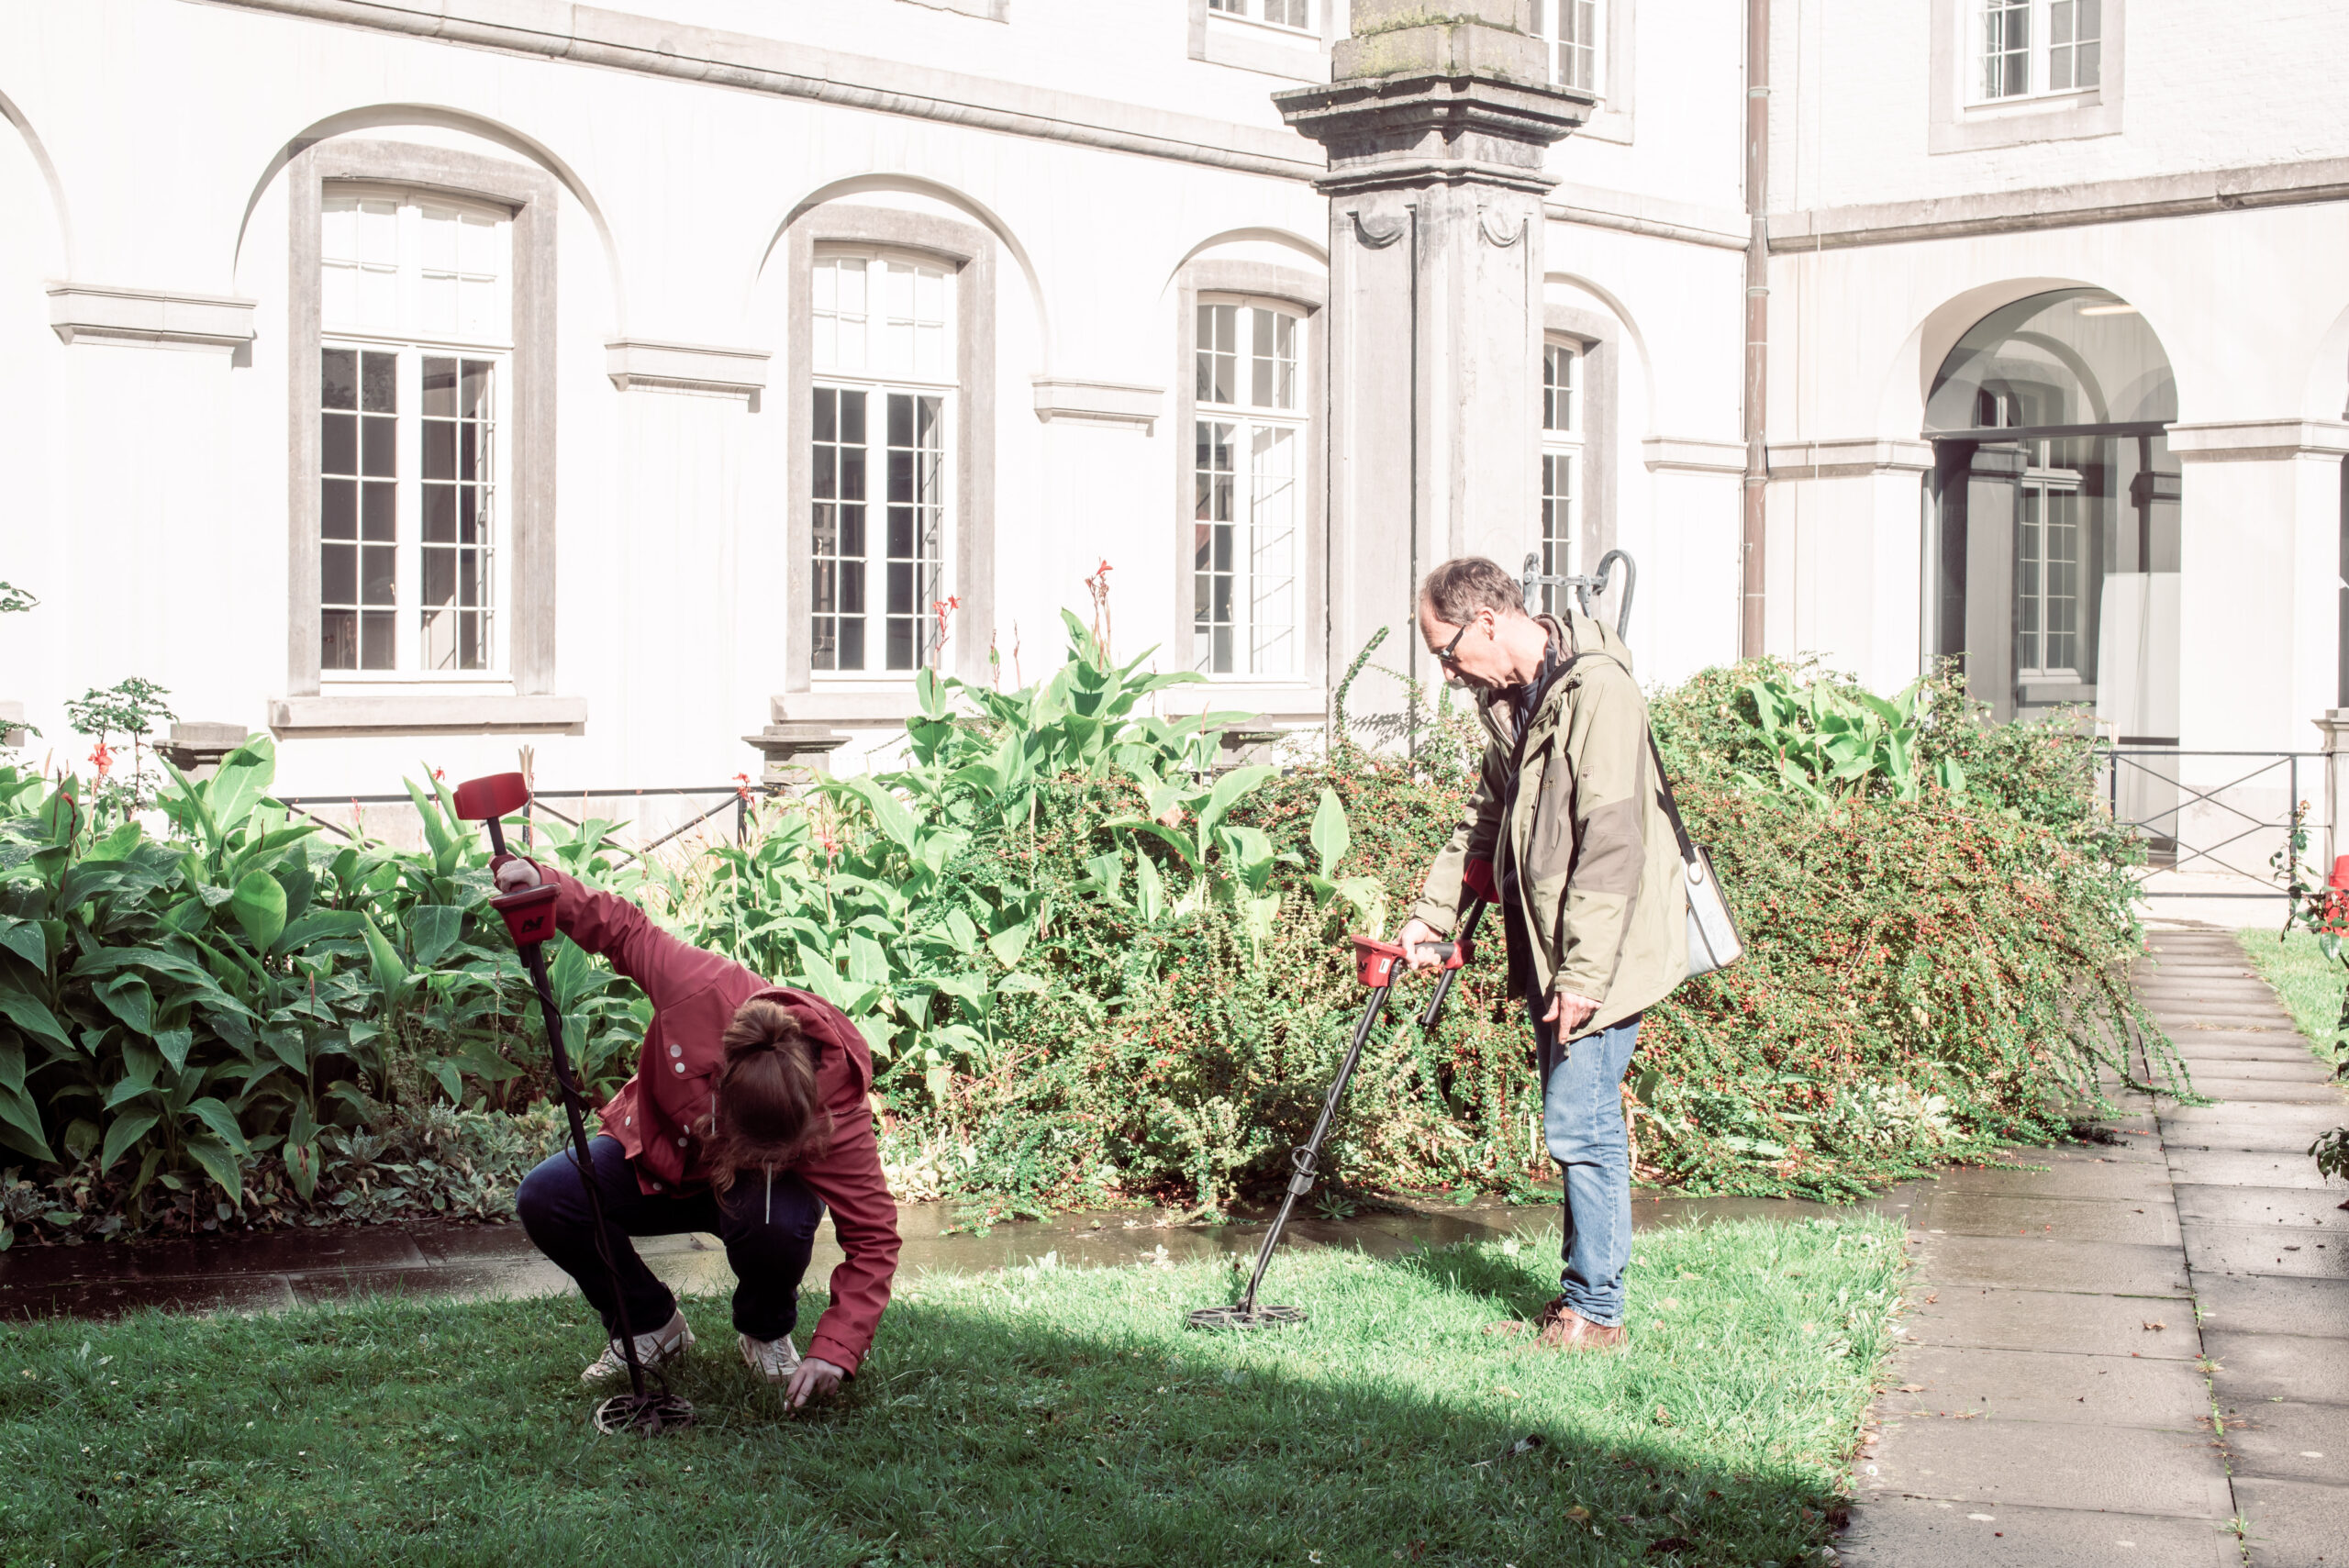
column 1459, row 588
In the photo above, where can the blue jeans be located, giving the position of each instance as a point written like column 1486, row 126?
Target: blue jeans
column 1582, row 1119
column 769, row 1228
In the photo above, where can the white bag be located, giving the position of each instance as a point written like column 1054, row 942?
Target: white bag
column 1713, row 940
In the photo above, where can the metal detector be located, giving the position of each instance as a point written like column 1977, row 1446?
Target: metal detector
column 1374, row 965
column 529, row 919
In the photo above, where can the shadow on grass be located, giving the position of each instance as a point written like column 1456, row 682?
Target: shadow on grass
column 1043, row 1417
column 1502, row 1279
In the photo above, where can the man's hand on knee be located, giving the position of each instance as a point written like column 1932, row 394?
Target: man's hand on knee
column 815, row 1379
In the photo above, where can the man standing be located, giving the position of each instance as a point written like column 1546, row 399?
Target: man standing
column 1566, row 833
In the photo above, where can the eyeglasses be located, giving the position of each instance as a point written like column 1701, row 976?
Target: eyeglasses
column 1445, row 655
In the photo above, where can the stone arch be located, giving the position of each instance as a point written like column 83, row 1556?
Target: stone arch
column 914, row 184
column 58, row 211
column 378, row 116
column 1305, row 250
column 1639, row 342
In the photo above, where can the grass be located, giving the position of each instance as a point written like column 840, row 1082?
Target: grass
column 2309, row 984
column 1035, row 1416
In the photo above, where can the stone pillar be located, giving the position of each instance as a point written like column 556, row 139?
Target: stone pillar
column 195, row 749
column 2329, row 820
column 780, row 746
column 1436, row 131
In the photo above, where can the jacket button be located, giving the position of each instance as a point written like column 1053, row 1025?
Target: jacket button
column 681, row 1144
column 656, row 1186
column 678, row 1065
column 676, row 1051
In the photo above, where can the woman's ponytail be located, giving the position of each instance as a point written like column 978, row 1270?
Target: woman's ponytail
column 769, row 1111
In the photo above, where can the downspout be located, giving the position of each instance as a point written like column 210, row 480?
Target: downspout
column 1757, row 326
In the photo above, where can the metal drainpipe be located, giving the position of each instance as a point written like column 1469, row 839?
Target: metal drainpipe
column 1757, row 326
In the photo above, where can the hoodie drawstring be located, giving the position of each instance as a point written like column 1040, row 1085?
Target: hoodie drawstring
column 769, row 1195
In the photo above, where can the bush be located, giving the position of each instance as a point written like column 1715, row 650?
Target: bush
column 1092, row 969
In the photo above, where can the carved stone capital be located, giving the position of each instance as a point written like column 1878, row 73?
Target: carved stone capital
column 1418, row 130
column 782, row 745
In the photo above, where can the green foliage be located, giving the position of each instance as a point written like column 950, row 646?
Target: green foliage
column 2309, row 968
column 1093, row 968
column 184, row 1021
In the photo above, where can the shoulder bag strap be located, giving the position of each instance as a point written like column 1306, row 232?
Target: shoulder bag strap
column 1671, row 807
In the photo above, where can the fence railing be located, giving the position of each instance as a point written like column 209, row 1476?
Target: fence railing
column 571, row 808
column 2214, row 821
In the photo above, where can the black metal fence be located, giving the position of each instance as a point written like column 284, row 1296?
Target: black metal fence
column 2214, row 821
column 638, row 809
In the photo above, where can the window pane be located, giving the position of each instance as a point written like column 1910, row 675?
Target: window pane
column 838, row 546
column 1211, row 547
column 1272, row 550
column 339, row 378
column 378, row 384
column 458, row 496
column 1218, row 353
column 1557, row 388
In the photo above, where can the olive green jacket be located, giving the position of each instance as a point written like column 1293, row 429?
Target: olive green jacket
column 1598, row 869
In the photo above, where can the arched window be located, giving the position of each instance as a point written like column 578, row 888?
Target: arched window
column 1562, row 460
column 883, row 355
column 2057, row 554
column 416, row 341
column 1248, row 471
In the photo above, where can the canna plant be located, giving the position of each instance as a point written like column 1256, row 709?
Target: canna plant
column 1833, row 741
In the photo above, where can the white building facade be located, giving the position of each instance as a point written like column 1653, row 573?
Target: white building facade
column 418, row 379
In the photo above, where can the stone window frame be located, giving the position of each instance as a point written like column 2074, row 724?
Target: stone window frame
column 1243, row 44
column 1599, row 342
column 970, row 251
column 1958, row 123
column 530, row 194
column 1611, row 120
column 1308, row 294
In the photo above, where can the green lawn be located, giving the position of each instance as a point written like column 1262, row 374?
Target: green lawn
column 1037, row 1416
column 2310, row 982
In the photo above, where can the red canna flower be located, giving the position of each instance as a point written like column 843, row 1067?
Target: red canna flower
column 100, row 759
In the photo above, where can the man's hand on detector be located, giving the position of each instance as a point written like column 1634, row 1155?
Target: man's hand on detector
column 514, row 874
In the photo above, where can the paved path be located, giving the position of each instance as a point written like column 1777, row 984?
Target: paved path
column 2114, row 1359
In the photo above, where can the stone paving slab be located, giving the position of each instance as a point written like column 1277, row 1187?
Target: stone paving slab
column 1917, row 1532
column 1961, row 1213
column 2272, row 1304
column 2301, row 1250
column 2096, row 1177
column 2262, row 1067
column 2255, row 1366
column 2240, row 1125
column 2232, row 1089
column 2263, row 1206
column 2293, row 1441
column 2054, row 1321
column 2294, row 1524
column 2040, row 1465
column 2199, row 1163
column 1938, row 1381
column 2100, row 1268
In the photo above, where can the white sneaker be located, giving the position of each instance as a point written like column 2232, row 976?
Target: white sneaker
column 665, row 1344
column 774, row 1360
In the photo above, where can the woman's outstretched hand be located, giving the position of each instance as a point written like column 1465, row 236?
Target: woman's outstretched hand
column 815, row 1378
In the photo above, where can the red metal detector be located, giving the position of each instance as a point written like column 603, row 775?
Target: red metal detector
column 529, row 919
column 1374, row 965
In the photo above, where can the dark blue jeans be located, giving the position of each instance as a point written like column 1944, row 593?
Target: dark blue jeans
column 768, row 1226
column 1582, row 1119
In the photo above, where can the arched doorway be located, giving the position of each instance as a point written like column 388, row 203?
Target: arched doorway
column 2054, row 547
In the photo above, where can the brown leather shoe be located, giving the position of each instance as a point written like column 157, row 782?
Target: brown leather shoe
column 1563, row 1329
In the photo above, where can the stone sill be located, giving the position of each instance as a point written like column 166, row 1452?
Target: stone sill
column 865, row 706
column 425, row 715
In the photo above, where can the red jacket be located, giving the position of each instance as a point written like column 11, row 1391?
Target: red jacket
column 694, row 996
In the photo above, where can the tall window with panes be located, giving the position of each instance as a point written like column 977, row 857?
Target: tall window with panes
column 415, row 318
column 1561, row 468
column 1248, row 474
column 1297, row 14
column 2026, row 49
column 883, row 356
column 1569, row 33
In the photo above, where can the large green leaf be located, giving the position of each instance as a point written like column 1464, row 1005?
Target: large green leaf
column 20, row 1126
column 433, row 929
column 233, row 790
column 220, row 1164
column 25, row 1010
column 888, row 812
column 259, row 905
column 128, row 998
column 1230, row 788
column 26, row 938
column 391, row 974
column 127, row 1128
column 1331, row 835
column 221, row 1120
column 1010, row 942
column 175, row 1044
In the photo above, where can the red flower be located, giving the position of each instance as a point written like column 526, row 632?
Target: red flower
column 100, row 759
